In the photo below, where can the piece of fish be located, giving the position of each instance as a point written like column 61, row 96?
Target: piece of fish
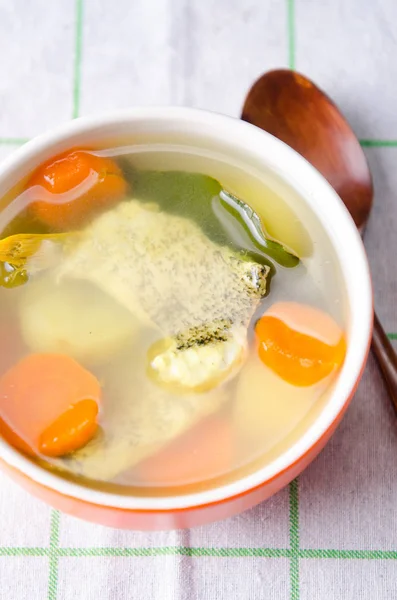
column 165, row 270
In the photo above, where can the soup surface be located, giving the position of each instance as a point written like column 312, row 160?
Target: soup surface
column 168, row 321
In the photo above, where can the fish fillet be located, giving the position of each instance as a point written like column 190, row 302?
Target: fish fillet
column 165, row 270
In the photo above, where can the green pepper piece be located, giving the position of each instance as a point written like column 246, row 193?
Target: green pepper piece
column 181, row 193
column 202, row 199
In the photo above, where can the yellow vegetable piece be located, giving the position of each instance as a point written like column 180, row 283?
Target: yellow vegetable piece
column 74, row 318
column 17, row 249
column 267, row 408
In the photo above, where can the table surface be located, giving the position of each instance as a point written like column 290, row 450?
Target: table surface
column 333, row 533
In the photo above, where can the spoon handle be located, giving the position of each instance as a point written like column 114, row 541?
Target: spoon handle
column 386, row 358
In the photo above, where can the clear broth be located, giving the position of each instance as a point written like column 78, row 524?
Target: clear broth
column 265, row 415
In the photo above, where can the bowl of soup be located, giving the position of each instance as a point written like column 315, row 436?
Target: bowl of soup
column 186, row 312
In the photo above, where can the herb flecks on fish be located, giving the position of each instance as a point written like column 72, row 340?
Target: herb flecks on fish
column 170, row 275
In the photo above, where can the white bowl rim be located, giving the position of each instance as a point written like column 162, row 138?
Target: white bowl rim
column 354, row 265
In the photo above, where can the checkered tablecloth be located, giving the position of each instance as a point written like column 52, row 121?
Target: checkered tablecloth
column 333, row 534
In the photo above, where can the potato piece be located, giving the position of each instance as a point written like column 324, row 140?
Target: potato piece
column 74, row 318
column 267, row 408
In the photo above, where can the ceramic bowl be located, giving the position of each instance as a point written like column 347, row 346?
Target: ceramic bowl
column 182, row 511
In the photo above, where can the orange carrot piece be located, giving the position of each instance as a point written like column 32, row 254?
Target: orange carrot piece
column 48, row 405
column 72, row 430
column 204, row 452
column 77, row 186
column 300, row 343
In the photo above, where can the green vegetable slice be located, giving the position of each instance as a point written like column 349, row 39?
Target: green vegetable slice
column 224, row 218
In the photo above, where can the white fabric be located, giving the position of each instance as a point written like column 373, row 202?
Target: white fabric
column 206, row 54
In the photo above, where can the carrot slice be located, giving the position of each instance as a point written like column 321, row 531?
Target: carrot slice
column 204, row 452
column 76, row 185
column 300, row 343
column 72, row 430
column 48, row 405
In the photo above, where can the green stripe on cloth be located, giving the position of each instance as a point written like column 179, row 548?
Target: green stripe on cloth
column 10, row 141
column 378, row 143
column 176, row 551
column 232, row 553
column 291, row 33
column 294, row 538
column 18, row 551
column 53, row 555
column 77, row 58
column 350, row 554
column 306, row 553
column 55, row 516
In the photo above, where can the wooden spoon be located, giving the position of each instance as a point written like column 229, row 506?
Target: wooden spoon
column 295, row 110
